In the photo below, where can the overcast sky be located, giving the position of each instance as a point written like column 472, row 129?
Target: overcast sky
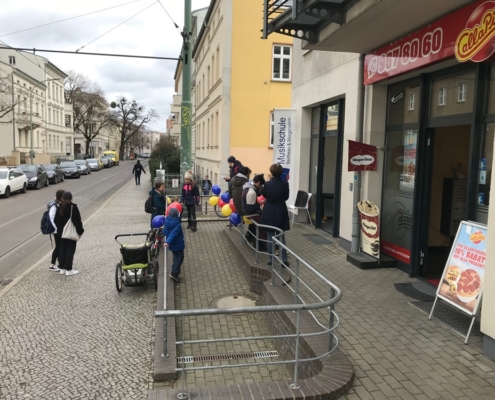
column 150, row 33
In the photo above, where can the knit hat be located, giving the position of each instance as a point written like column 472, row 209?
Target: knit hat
column 188, row 175
column 173, row 213
column 67, row 196
column 231, row 159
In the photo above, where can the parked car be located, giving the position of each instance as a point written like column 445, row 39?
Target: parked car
column 145, row 155
column 36, row 174
column 54, row 172
column 94, row 164
column 107, row 162
column 83, row 167
column 70, row 169
column 12, row 180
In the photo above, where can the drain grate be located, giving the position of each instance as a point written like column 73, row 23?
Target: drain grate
column 226, row 357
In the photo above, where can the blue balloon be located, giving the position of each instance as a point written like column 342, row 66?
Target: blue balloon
column 216, row 189
column 235, row 219
column 158, row 221
column 225, row 197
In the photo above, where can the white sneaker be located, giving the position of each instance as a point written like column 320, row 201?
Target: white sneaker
column 72, row 272
column 62, row 271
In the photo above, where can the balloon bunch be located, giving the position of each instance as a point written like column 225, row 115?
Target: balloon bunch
column 226, row 205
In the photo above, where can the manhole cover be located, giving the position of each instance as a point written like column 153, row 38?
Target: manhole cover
column 233, row 301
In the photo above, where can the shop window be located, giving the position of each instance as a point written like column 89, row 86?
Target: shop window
column 281, row 63
column 412, row 98
column 461, row 92
column 442, row 96
column 485, row 166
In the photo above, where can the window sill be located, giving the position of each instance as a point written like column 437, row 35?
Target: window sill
column 281, row 80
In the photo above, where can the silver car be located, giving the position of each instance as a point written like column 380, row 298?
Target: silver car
column 94, row 164
column 83, row 167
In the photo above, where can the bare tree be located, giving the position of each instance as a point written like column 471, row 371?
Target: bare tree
column 74, row 83
column 7, row 102
column 130, row 118
column 139, row 141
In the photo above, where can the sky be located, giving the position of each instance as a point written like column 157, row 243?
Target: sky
column 149, row 33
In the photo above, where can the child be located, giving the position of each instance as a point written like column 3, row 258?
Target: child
column 190, row 197
column 174, row 240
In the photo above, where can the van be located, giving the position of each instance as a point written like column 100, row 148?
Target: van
column 114, row 155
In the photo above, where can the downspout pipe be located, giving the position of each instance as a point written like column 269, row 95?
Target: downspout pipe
column 361, row 92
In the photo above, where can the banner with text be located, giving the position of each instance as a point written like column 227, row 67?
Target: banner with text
column 462, row 280
column 283, row 143
column 362, row 157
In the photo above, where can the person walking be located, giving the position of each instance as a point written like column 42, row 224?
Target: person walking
column 68, row 211
column 136, row 170
column 174, row 240
column 275, row 213
column 56, row 235
column 206, row 186
column 190, row 198
column 158, row 200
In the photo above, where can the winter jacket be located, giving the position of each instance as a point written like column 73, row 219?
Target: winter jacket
column 234, row 170
column 137, row 169
column 250, row 205
column 52, row 213
column 62, row 219
column 205, row 183
column 190, row 194
column 172, row 230
column 237, row 183
column 276, row 193
column 158, row 203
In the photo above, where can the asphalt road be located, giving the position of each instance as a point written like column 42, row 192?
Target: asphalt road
column 21, row 242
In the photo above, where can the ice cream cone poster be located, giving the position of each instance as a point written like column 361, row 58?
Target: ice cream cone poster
column 370, row 227
column 462, row 280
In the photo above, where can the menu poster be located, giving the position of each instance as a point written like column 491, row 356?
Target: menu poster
column 409, row 161
column 462, row 280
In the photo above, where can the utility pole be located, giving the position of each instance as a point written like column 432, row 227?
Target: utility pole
column 186, row 105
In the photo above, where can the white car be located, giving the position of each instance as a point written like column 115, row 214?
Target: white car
column 12, row 180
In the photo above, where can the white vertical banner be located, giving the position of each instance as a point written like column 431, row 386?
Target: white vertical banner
column 284, row 140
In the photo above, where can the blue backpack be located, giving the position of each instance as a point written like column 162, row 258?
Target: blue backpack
column 46, row 225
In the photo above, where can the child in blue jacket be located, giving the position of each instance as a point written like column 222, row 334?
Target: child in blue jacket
column 174, row 240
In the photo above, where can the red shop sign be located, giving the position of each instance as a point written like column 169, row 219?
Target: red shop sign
column 468, row 34
column 362, row 157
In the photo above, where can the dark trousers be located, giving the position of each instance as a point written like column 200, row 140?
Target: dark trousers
column 191, row 215
column 206, row 192
column 137, row 178
column 283, row 252
column 56, row 250
column 261, row 231
column 66, row 256
column 177, row 262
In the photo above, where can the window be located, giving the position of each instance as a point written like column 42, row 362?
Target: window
column 412, row 98
column 281, row 63
column 272, row 127
column 217, row 65
column 213, row 70
column 461, row 92
column 442, row 94
column 217, row 125
column 12, row 61
column 209, row 78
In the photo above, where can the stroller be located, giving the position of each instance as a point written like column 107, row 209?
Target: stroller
column 136, row 265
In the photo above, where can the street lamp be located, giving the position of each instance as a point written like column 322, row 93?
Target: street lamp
column 31, row 152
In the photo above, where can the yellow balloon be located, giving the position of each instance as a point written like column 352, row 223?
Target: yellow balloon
column 168, row 200
column 247, row 220
column 213, row 201
column 226, row 210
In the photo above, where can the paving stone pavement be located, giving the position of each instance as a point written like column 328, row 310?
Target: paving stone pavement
column 76, row 337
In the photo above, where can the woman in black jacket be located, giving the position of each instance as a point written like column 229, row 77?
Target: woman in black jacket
column 66, row 211
column 276, row 193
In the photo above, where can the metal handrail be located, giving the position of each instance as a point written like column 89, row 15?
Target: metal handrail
column 298, row 306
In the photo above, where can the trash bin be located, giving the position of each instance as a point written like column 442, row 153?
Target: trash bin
column 370, row 227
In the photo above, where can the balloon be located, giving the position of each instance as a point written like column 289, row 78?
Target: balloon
column 232, row 206
column 168, row 200
column 247, row 220
column 226, row 210
column 235, row 218
column 216, row 189
column 157, row 222
column 225, row 197
column 261, row 199
column 213, row 201
column 178, row 206
column 221, row 203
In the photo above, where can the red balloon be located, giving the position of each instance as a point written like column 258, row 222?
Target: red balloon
column 178, row 206
column 231, row 204
column 261, row 199
column 221, row 203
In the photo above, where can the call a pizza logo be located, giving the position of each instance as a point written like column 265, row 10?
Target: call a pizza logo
column 475, row 42
column 477, row 237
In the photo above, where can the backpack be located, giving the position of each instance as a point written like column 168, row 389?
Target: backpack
column 148, row 205
column 46, row 225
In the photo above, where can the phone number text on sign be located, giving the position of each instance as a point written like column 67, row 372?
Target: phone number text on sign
column 430, row 44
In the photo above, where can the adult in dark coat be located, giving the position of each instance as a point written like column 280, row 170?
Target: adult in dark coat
column 237, row 185
column 158, row 202
column 276, row 193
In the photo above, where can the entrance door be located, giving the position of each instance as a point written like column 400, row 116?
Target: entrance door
column 449, row 170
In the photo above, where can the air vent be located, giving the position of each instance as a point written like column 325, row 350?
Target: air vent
column 226, row 357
